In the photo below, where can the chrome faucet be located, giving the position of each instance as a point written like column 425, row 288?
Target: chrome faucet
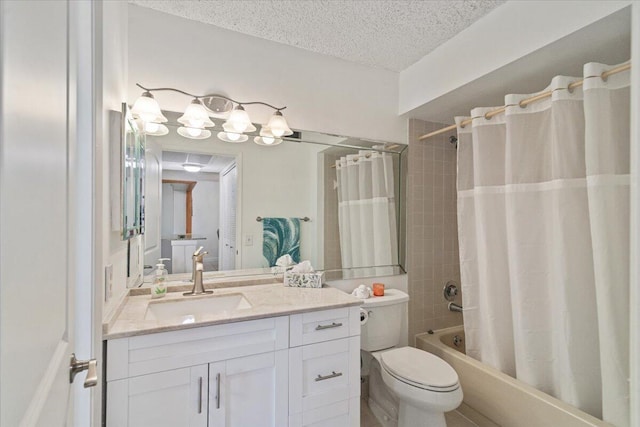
column 198, row 269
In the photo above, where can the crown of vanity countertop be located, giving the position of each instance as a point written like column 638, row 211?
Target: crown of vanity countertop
column 266, row 300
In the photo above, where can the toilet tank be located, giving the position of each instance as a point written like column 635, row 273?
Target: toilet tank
column 383, row 326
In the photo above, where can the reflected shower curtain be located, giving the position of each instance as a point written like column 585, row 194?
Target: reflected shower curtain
column 543, row 218
column 366, row 210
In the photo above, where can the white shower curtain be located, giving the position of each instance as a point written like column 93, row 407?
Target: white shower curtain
column 543, row 218
column 366, row 210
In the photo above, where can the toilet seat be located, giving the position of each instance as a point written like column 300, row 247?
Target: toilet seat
column 420, row 369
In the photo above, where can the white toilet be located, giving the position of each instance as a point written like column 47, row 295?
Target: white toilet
column 425, row 386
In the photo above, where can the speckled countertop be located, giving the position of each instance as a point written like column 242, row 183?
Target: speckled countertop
column 267, row 300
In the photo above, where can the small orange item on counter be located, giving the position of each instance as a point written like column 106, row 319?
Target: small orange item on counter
column 378, row 289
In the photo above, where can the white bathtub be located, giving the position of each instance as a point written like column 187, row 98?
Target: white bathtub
column 497, row 396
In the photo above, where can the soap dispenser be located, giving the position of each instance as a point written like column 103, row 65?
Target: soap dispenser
column 159, row 288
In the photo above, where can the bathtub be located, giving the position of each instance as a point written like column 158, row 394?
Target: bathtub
column 491, row 397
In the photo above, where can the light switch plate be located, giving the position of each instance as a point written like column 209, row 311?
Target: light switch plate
column 248, row 239
column 108, row 282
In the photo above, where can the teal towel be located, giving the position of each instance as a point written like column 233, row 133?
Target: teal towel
column 280, row 236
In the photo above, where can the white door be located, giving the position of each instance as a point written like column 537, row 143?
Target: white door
column 228, row 210
column 249, row 391
column 39, row 190
column 176, row 398
column 153, row 204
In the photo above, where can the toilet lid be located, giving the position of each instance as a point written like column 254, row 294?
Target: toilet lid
column 420, row 369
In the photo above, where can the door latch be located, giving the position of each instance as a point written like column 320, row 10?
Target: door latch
column 91, row 366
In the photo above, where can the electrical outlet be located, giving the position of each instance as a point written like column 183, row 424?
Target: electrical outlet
column 248, row 239
column 108, row 282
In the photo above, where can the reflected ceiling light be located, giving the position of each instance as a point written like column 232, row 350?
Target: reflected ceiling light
column 266, row 138
column 147, row 109
column 239, row 121
column 192, row 167
column 232, row 137
column 155, row 129
column 278, row 125
column 196, row 116
column 194, row 133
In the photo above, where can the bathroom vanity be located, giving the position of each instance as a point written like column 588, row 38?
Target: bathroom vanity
column 261, row 355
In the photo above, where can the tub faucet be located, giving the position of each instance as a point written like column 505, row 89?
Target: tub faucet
column 452, row 306
column 198, row 269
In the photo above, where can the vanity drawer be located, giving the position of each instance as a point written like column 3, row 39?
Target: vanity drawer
column 324, row 373
column 326, row 325
column 342, row 414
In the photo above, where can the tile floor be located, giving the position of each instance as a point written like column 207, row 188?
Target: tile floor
column 454, row 419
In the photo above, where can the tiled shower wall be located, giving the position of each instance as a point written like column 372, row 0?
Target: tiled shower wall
column 432, row 233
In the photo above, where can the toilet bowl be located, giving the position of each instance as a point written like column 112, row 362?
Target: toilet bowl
column 425, row 386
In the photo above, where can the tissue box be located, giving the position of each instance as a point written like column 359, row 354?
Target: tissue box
column 303, row 280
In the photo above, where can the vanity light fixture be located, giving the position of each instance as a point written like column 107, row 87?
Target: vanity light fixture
column 266, row 137
column 197, row 117
column 192, row 167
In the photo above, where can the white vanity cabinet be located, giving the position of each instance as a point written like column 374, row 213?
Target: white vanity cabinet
column 213, row 376
column 298, row 370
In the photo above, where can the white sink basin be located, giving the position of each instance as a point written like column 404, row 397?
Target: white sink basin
column 192, row 309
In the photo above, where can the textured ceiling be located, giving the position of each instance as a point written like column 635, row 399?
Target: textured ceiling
column 386, row 34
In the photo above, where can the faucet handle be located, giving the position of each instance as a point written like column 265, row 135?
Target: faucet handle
column 199, row 255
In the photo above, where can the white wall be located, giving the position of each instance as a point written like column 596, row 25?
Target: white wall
column 113, row 67
column 322, row 93
column 503, row 40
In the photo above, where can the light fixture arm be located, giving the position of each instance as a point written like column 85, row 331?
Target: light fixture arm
column 211, row 95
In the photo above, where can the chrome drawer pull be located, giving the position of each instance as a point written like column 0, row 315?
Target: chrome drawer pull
column 328, row 377
column 200, row 395
column 332, row 325
column 217, row 391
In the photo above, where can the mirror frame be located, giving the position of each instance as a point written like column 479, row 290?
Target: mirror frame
column 132, row 149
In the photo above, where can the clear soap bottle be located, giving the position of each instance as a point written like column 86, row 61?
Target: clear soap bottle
column 159, row 288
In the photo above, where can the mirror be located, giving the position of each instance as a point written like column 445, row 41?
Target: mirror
column 335, row 201
column 131, row 157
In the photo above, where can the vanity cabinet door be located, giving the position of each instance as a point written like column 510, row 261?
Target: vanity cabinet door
column 249, row 391
column 164, row 399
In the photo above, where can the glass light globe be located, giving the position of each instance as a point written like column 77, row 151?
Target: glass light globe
column 278, row 125
column 239, row 121
column 147, row 108
column 195, row 115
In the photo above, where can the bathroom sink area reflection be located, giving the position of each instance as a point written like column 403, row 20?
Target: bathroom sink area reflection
column 192, row 309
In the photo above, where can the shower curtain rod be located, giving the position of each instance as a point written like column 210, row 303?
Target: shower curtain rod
column 528, row 101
